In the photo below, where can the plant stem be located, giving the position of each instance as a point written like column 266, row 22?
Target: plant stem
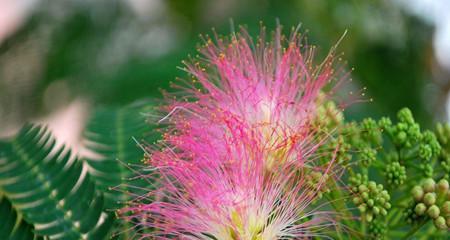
column 414, row 230
column 363, row 225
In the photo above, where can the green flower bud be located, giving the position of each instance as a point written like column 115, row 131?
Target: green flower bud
column 425, row 151
column 368, row 155
column 370, row 131
column 370, row 202
column 365, row 195
column 429, row 138
column 377, row 229
column 385, row 123
column 405, row 115
column 369, row 216
column 395, row 173
column 414, row 133
column 443, row 131
column 401, row 137
column 427, row 169
column 362, row 188
column 357, row 200
column 442, row 185
column 429, row 199
column 439, row 222
column 376, row 210
column 385, row 194
column 362, row 208
column 420, row 209
column 429, row 185
column 446, row 208
column 313, row 179
column 371, row 199
column 402, row 126
column 433, row 212
column 417, row 193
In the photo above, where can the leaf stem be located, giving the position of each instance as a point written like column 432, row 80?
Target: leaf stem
column 414, row 230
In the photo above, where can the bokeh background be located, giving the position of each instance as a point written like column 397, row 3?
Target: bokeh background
column 61, row 58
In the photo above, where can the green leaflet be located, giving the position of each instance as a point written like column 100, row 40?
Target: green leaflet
column 50, row 188
column 12, row 226
column 64, row 197
column 112, row 134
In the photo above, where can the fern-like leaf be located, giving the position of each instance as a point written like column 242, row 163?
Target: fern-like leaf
column 51, row 188
column 111, row 133
column 12, row 226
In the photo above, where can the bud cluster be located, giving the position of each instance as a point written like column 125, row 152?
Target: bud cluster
column 409, row 139
column 328, row 118
column 429, row 146
column 328, row 115
column 316, row 180
column 336, row 148
column 406, row 132
column 431, row 200
column 371, row 132
column 377, row 229
column 364, row 138
column 395, row 173
column 445, row 163
column 351, row 132
column 367, row 156
column 372, row 200
column 443, row 136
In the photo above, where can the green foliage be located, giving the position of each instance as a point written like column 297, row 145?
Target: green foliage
column 114, row 134
column 367, row 155
column 11, row 225
column 395, row 173
column 397, row 157
column 64, row 196
column 50, row 188
column 431, row 202
column 372, row 200
column 370, row 132
column 377, row 229
column 314, row 178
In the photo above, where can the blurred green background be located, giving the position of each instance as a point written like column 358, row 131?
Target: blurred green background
column 62, row 58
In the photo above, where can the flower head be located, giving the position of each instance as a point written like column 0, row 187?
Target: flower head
column 240, row 160
column 273, row 87
column 209, row 193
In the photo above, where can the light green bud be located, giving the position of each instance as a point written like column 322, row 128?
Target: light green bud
column 433, row 212
column 429, row 199
column 442, row 185
column 429, row 185
column 420, row 209
column 446, row 208
column 439, row 222
column 417, row 193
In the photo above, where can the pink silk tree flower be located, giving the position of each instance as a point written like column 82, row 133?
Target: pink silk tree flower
column 273, row 87
column 239, row 159
column 204, row 192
